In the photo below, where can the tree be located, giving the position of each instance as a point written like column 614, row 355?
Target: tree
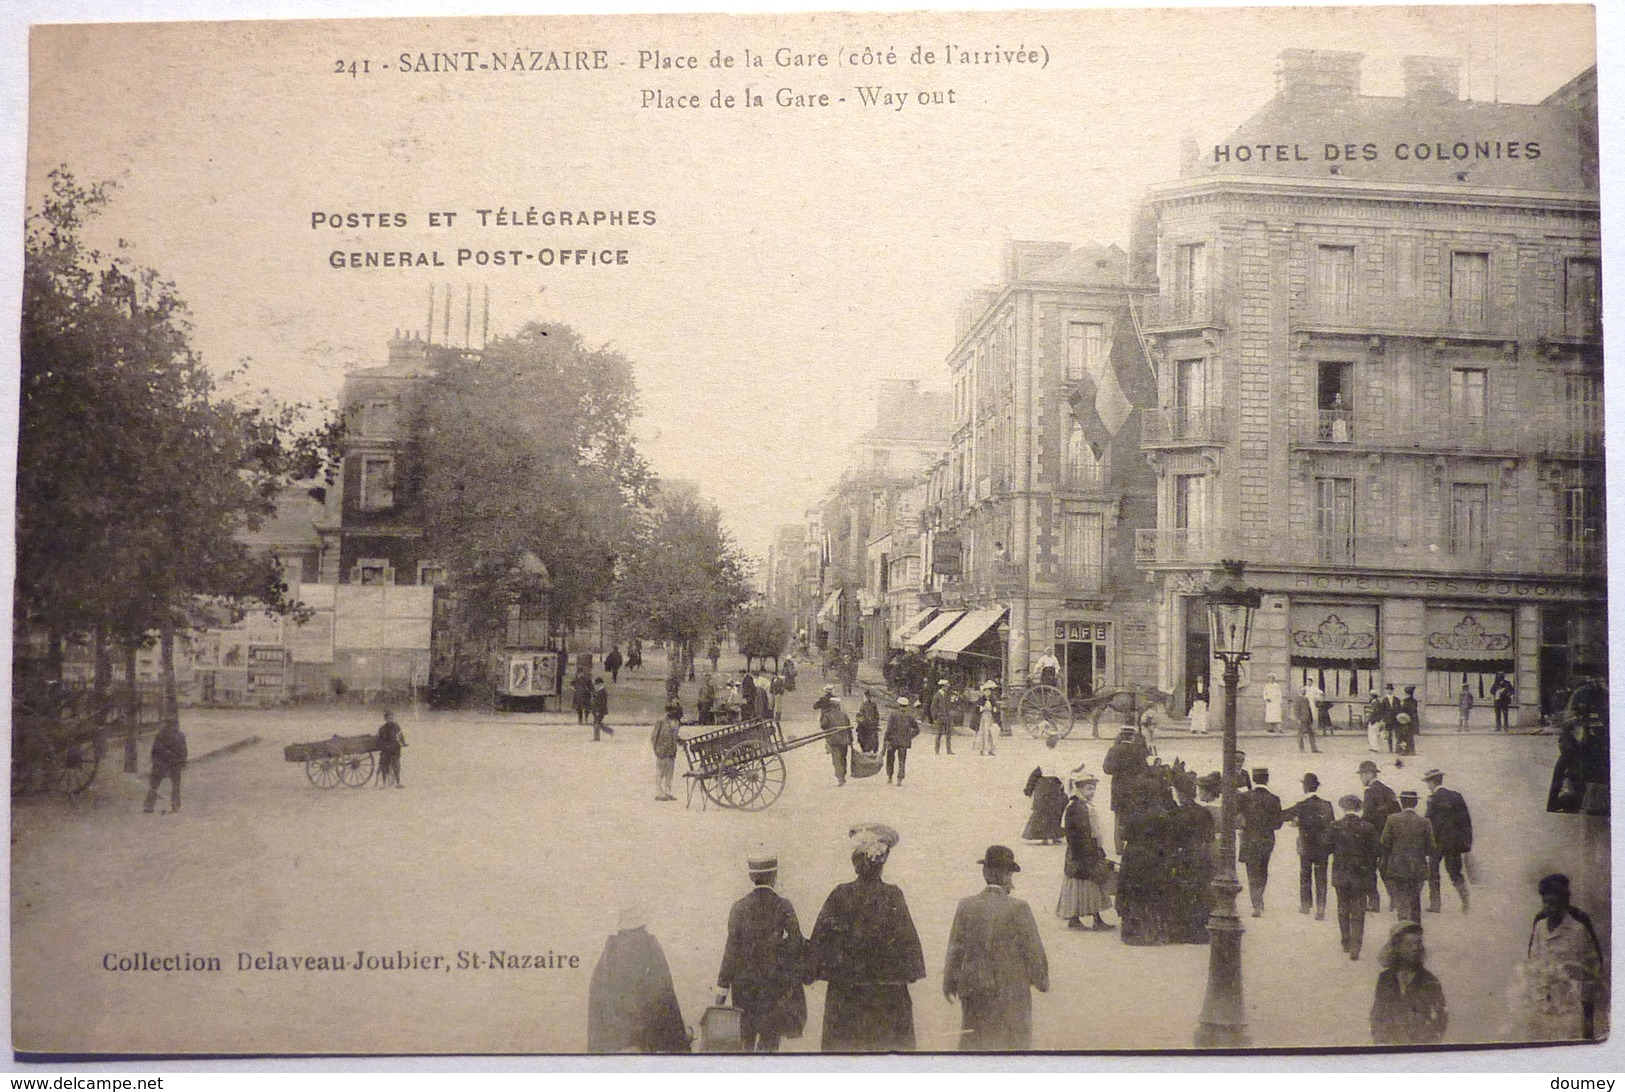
column 682, row 577
column 762, row 635
column 521, row 466
column 135, row 473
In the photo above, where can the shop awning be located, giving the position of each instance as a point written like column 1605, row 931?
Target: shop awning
column 912, row 626
column 933, row 629
column 831, row 606
column 965, row 632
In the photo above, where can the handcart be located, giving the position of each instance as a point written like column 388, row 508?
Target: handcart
column 342, row 760
column 741, row 765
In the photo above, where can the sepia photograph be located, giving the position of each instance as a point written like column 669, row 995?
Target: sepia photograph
column 932, row 533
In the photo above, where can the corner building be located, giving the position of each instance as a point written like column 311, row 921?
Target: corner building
column 1378, row 341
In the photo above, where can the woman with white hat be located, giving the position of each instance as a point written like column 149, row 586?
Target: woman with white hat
column 1086, row 869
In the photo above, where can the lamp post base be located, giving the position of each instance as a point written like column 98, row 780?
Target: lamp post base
column 1224, row 1012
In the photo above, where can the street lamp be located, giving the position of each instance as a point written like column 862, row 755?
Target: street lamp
column 1004, row 674
column 1230, row 607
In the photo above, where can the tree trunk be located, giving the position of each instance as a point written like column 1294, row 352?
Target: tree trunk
column 102, row 670
column 132, row 711
column 166, row 660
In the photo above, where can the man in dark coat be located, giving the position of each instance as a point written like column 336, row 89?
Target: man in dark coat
column 1356, row 845
column 995, row 961
column 761, row 961
column 1407, row 839
column 1260, row 819
column 833, row 719
column 612, row 663
column 631, row 1003
column 1126, row 761
column 1501, row 691
column 390, row 741
column 581, row 696
column 1314, row 818
column 1452, row 836
column 865, row 946
column 600, row 709
column 869, row 724
column 901, row 728
column 168, row 759
column 1377, row 805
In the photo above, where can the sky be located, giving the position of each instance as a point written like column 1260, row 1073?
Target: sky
column 798, row 253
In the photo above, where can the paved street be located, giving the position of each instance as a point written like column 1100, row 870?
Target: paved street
column 517, row 833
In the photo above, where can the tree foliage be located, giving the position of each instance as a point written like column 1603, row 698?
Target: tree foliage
column 682, row 576
column 762, row 635
column 522, row 467
column 135, row 473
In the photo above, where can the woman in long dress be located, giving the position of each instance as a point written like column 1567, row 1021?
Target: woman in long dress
column 1049, row 797
column 865, row 946
column 1559, row 990
column 1083, row 888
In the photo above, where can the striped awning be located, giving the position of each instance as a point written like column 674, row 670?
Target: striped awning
column 965, row 632
column 831, row 606
column 912, row 626
column 933, row 629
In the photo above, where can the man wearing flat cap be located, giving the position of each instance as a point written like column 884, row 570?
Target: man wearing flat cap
column 1356, row 845
column 762, row 961
column 1407, row 839
column 1452, row 837
column 995, row 961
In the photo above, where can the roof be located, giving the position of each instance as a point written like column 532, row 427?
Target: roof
column 1542, row 147
column 1106, row 266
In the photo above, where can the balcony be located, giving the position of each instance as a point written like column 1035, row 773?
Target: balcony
column 1365, row 314
column 1080, row 581
column 1089, row 478
column 1179, row 426
column 1171, row 312
column 1173, row 546
column 1572, row 441
column 1571, row 326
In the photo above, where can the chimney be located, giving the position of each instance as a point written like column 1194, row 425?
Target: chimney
column 1022, row 258
column 1317, row 71
column 1433, row 79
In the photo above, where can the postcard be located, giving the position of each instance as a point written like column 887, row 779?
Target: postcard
column 1053, row 531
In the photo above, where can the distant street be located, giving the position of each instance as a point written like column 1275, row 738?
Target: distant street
column 516, row 833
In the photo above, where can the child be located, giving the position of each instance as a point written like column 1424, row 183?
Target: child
column 664, row 741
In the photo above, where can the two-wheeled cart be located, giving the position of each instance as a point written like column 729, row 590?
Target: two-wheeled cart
column 341, row 760
column 741, row 766
column 1048, row 714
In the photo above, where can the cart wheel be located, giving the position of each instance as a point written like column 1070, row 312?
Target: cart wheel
column 323, row 772
column 772, row 774
column 708, row 786
column 742, row 775
column 1045, row 712
column 356, row 770
column 76, row 767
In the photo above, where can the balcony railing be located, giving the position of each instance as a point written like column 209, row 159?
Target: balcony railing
column 1076, row 580
column 1155, row 546
column 1573, row 441
column 1376, row 314
column 1572, row 324
column 1175, row 425
column 1334, row 426
column 1183, row 310
column 1083, row 479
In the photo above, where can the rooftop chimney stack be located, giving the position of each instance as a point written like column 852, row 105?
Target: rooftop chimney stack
column 1318, row 71
column 1433, row 79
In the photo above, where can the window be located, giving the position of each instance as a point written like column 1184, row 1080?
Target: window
column 431, row 572
column 1083, row 349
column 1334, row 281
column 1081, row 551
column 1582, row 298
column 372, row 570
column 1334, row 398
column 1469, row 520
column 378, row 418
column 1334, row 519
column 1582, row 516
column 1190, row 514
column 1469, row 402
column 1190, row 399
column 377, row 482
column 1469, row 287
column 1190, row 279
column 1582, row 414
column 1082, row 468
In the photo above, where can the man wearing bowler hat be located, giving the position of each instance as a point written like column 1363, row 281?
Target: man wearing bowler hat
column 1452, row 837
column 995, row 961
column 1260, row 819
column 1378, row 803
column 762, row 961
column 1314, row 818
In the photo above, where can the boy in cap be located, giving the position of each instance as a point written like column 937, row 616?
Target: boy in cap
column 1452, row 837
column 762, row 961
column 1260, row 819
column 1314, row 818
column 995, row 961
column 1355, row 849
column 664, row 741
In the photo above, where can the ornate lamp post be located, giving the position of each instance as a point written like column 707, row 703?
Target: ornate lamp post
column 1004, row 675
column 1230, row 607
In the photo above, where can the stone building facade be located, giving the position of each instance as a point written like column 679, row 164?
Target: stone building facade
column 1378, row 342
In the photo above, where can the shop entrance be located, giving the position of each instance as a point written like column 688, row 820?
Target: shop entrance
column 1198, row 652
column 1084, row 650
